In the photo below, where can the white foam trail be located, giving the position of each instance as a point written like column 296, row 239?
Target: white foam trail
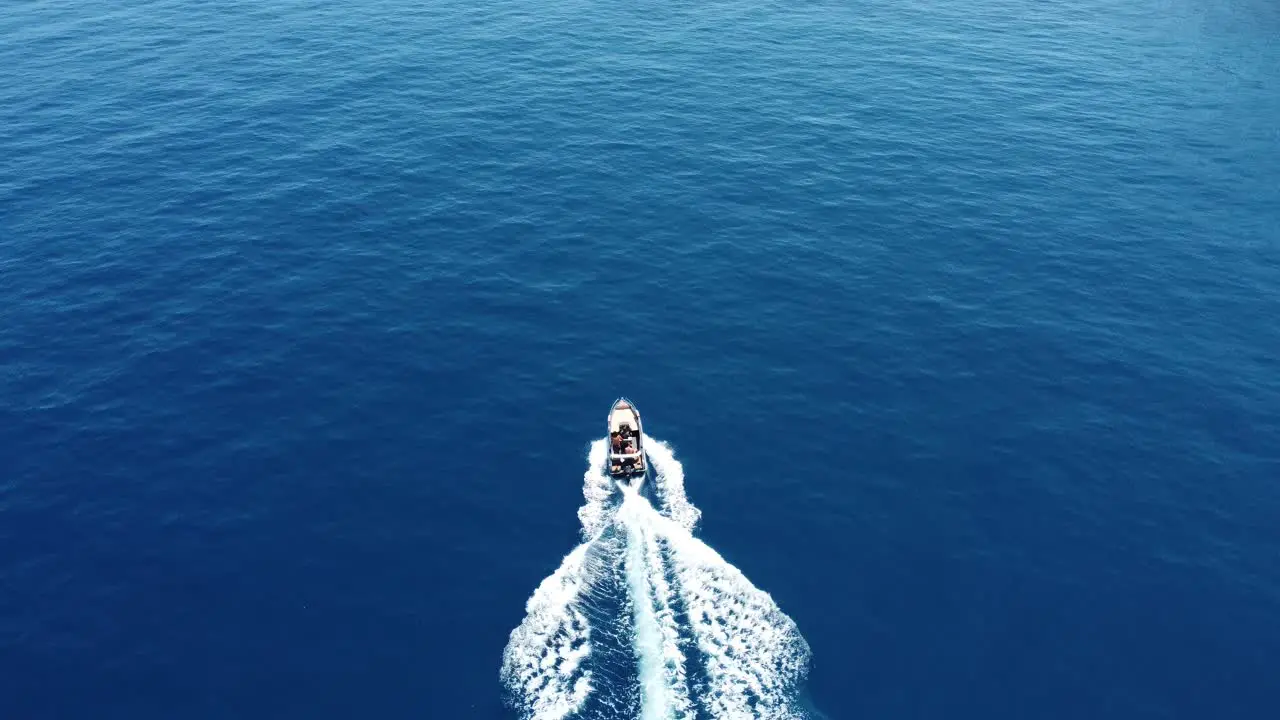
column 669, row 477
column 543, row 658
column 664, row 691
column 597, row 489
column 753, row 658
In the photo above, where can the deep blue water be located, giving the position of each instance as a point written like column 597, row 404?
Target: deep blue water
column 962, row 317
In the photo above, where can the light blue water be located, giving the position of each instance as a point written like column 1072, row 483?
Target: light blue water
column 960, row 316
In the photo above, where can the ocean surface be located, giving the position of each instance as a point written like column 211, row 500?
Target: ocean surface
column 960, row 319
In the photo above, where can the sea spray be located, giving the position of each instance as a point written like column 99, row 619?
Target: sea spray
column 597, row 490
column 542, row 662
column 755, row 657
column 750, row 657
column 664, row 693
column 668, row 475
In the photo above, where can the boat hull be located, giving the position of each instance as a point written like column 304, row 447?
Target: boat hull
column 627, row 459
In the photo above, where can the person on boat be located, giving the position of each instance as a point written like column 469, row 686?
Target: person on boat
column 616, row 441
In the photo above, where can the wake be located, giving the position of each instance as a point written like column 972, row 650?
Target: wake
column 644, row 620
